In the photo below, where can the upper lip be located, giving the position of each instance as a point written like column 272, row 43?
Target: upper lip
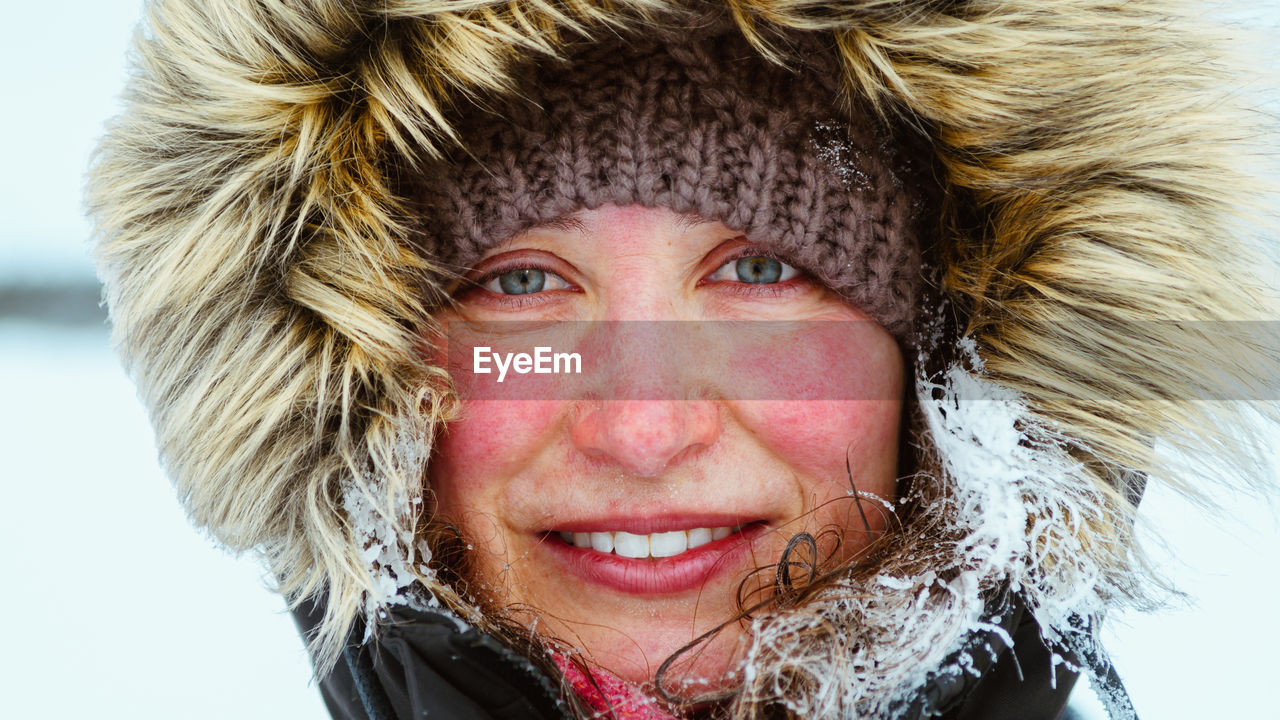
column 645, row 524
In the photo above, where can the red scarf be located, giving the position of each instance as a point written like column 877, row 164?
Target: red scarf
column 610, row 694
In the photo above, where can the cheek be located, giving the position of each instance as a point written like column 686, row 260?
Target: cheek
column 843, row 387
column 816, row 438
column 817, row 360
column 477, row 454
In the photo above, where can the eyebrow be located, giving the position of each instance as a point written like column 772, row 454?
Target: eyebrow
column 690, row 220
column 565, row 223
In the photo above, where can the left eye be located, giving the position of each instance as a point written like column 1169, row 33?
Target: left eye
column 524, row 281
column 755, row 270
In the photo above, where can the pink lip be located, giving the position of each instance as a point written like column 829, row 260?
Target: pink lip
column 663, row 576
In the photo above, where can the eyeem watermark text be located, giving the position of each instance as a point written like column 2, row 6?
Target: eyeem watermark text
column 541, row 362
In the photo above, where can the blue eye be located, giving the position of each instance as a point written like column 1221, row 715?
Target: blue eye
column 524, row 281
column 755, row 270
column 758, row 270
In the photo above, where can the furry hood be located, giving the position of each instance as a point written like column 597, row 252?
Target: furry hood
column 270, row 297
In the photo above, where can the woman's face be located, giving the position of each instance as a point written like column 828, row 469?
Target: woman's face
column 625, row 525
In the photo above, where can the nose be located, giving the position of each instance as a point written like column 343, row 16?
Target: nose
column 645, row 437
column 647, row 409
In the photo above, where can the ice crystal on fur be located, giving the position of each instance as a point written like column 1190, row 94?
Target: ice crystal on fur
column 1016, row 505
column 1022, row 501
column 396, row 561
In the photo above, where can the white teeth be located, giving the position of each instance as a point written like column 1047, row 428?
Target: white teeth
column 699, row 536
column 658, row 545
column 668, row 543
column 632, row 546
column 601, row 542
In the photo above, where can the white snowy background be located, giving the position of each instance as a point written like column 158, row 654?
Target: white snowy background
column 114, row 607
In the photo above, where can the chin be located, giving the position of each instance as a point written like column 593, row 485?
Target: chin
column 638, row 653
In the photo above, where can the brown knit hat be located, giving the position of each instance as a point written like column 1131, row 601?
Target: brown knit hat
column 700, row 125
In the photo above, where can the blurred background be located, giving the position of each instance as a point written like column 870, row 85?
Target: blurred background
column 116, row 607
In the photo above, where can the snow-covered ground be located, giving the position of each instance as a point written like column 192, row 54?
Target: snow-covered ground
column 117, row 608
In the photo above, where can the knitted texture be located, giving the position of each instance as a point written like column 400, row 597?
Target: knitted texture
column 706, row 128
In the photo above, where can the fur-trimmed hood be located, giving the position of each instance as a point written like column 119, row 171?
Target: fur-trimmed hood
column 269, row 293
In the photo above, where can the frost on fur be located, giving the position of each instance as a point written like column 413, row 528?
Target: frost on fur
column 381, row 512
column 1017, row 507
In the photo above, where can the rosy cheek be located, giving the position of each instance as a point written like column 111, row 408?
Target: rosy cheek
column 833, row 392
column 815, row 438
column 805, row 360
column 480, row 452
column 491, row 435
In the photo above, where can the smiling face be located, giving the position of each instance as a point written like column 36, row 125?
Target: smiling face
column 627, row 525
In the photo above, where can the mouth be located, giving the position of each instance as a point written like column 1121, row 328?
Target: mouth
column 653, row 545
column 667, row 562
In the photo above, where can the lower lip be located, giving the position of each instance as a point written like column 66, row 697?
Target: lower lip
column 689, row 570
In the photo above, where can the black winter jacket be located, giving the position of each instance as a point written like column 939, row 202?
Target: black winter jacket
column 431, row 665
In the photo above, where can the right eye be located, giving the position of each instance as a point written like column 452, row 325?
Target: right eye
column 523, row 281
